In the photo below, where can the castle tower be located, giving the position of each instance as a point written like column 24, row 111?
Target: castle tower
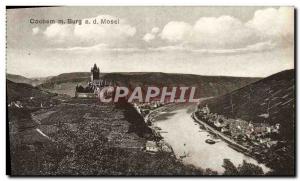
column 95, row 73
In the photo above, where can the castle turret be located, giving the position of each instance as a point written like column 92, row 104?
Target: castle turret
column 95, row 73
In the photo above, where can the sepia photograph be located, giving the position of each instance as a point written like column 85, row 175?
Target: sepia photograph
column 150, row 91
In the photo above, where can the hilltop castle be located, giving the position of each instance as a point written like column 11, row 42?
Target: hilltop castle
column 95, row 73
column 94, row 85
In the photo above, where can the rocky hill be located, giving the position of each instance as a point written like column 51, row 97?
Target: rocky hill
column 270, row 100
column 27, row 95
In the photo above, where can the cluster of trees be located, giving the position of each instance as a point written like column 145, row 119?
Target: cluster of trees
column 245, row 169
column 82, row 89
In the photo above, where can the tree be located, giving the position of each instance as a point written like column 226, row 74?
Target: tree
column 209, row 171
column 250, row 169
column 232, row 105
column 229, row 167
column 242, row 169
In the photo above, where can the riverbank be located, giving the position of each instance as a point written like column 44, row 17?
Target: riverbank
column 184, row 135
column 158, row 139
column 232, row 143
column 249, row 151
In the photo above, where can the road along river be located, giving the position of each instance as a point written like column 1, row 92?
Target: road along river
column 188, row 141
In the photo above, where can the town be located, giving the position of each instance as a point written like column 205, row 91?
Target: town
column 256, row 139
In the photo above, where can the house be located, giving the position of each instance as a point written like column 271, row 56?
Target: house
column 238, row 127
column 261, row 128
column 271, row 143
column 165, row 147
column 264, row 140
column 205, row 110
column 276, row 128
column 151, row 146
column 225, row 130
column 220, row 121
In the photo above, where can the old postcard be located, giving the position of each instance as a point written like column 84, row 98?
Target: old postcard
column 150, row 91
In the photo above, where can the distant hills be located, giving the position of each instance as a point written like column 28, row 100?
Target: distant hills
column 21, row 79
column 18, row 78
column 270, row 100
column 206, row 85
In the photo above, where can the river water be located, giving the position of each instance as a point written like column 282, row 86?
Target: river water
column 187, row 139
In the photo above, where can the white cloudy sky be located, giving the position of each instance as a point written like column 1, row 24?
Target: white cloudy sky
column 232, row 41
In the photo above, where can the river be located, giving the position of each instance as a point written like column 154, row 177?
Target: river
column 187, row 139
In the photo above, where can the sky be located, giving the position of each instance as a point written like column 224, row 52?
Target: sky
column 230, row 41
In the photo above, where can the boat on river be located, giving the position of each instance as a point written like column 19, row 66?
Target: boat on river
column 209, row 141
